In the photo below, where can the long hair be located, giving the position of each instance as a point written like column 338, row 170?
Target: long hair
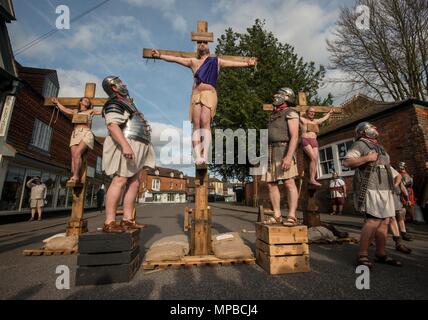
column 80, row 100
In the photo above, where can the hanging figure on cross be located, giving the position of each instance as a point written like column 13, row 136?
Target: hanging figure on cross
column 310, row 131
column 82, row 137
column 203, row 103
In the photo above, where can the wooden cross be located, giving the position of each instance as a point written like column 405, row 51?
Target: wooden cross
column 201, row 215
column 302, row 106
column 201, row 34
column 311, row 216
column 76, row 224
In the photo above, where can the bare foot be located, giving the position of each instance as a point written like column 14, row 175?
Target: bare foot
column 73, row 180
column 315, row 183
column 199, row 160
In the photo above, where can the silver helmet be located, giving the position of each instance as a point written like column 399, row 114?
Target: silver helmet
column 110, row 81
column 366, row 129
column 284, row 95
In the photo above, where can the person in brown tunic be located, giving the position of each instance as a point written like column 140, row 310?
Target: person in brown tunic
column 82, row 137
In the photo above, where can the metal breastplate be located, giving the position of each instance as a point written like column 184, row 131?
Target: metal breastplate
column 278, row 127
column 137, row 128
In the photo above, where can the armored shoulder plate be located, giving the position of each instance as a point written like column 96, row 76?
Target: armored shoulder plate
column 116, row 106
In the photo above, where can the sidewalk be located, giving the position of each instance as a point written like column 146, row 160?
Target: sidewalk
column 344, row 220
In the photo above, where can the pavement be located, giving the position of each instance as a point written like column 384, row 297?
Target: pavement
column 333, row 274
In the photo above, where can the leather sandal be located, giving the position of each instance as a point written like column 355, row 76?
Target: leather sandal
column 131, row 224
column 290, row 222
column 389, row 261
column 364, row 261
column 273, row 220
column 113, row 227
column 402, row 248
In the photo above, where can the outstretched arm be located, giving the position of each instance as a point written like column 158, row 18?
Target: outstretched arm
column 97, row 112
column 62, row 108
column 187, row 62
column 325, row 118
column 252, row 62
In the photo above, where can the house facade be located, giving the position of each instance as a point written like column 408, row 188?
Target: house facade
column 40, row 147
column 162, row 185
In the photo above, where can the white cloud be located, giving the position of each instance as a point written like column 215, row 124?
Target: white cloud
column 168, row 9
column 304, row 25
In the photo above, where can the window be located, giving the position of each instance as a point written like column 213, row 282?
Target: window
column 42, row 135
column 50, row 89
column 99, row 169
column 171, row 197
column 171, row 185
column 326, row 160
column 330, row 159
column 342, row 149
column 12, row 189
column 156, row 184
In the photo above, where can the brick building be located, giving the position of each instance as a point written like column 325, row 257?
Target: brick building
column 162, row 185
column 39, row 146
column 403, row 128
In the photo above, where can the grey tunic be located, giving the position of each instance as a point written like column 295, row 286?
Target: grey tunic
column 379, row 200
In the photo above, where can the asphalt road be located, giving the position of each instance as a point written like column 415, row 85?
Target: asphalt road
column 332, row 277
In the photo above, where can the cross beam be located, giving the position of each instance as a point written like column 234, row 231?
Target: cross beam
column 303, row 106
column 201, row 34
column 73, row 102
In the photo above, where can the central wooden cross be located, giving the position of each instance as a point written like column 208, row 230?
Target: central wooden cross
column 76, row 224
column 200, row 244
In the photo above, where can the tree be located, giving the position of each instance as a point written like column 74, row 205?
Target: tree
column 389, row 58
column 243, row 91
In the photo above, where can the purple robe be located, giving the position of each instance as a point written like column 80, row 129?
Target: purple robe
column 208, row 72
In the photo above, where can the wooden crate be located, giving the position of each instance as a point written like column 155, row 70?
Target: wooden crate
column 283, row 249
column 278, row 234
column 282, row 264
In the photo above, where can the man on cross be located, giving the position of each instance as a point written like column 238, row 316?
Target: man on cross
column 203, row 103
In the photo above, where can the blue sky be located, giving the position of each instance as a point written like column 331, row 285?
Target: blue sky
column 110, row 40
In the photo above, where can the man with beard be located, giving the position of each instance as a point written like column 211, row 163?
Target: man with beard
column 203, row 102
column 373, row 185
column 127, row 150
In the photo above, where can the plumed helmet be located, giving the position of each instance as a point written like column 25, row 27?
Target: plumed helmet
column 284, row 95
column 109, row 81
column 366, row 129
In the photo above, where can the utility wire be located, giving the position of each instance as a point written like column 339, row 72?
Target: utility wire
column 53, row 31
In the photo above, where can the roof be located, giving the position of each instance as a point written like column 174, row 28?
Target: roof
column 165, row 172
column 36, row 77
column 6, row 10
column 362, row 108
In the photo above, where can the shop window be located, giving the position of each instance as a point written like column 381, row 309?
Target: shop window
column 12, row 189
column 62, row 193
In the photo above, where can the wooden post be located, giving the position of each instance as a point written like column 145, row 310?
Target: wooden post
column 201, row 224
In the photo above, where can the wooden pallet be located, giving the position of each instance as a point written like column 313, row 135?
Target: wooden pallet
column 44, row 252
column 196, row 261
